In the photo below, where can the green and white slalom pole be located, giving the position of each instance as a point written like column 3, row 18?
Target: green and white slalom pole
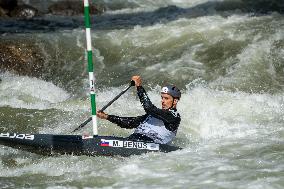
column 90, row 66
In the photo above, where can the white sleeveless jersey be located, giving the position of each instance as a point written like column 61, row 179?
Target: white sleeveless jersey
column 155, row 129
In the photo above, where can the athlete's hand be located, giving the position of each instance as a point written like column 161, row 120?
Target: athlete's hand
column 102, row 115
column 137, row 79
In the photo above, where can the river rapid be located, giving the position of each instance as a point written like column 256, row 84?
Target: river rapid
column 228, row 63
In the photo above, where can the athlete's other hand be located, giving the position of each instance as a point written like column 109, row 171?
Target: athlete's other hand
column 137, row 79
column 102, row 115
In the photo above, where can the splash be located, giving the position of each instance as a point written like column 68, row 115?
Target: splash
column 29, row 93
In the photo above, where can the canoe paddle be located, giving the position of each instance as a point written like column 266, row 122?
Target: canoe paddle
column 132, row 83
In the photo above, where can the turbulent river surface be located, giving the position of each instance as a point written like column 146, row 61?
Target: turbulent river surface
column 228, row 63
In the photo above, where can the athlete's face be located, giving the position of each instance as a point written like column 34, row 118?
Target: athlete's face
column 168, row 101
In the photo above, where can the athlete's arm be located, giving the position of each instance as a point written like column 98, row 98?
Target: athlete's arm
column 126, row 122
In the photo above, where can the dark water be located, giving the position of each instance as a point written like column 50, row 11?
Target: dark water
column 227, row 60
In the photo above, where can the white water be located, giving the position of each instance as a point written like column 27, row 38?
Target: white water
column 232, row 106
column 206, row 113
column 31, row 93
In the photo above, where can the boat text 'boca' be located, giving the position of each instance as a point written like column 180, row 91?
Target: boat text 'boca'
column 18, row 136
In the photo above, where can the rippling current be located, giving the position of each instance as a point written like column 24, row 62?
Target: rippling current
column 228, row 62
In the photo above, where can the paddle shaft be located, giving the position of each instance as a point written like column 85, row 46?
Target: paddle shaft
column 115, row 98
column 105, row 107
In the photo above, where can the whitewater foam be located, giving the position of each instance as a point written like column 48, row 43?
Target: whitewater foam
column 31, row 93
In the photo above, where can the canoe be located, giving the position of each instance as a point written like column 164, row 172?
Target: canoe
column 49, row 144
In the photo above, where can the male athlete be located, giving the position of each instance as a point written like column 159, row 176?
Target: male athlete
column 157, row 125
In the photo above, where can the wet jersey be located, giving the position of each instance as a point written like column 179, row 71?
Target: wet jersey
column 158, row 124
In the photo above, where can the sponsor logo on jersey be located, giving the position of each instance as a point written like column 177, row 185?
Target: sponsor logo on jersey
column 17, row 136
column 174, row 112
column 129, row 144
